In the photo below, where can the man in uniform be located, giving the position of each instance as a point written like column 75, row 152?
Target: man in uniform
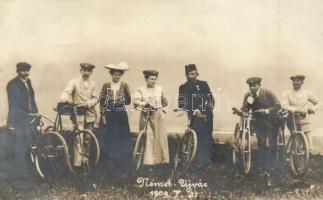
column 21, row 102
column 194, row 95
column 80, row 92
column 266, row 120
column 303, row 101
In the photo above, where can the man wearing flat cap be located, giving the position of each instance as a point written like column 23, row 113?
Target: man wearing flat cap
column 303, row 101
column 266, row 121
column 21, row 102
column 195, row 94
column 80, row 92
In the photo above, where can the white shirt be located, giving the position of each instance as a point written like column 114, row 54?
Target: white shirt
column 300, row 100
column 115, row 88
column 25, row 83
column 154, row 96
column 79, row 91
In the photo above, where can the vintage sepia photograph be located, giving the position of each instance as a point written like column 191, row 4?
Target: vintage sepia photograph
column 161, row 99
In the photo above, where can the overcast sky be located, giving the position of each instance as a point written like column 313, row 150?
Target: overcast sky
column 229, row 40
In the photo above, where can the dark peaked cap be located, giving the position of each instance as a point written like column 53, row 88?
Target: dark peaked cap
column 23, row 66
column 87, row 66
column 190, row 67
column 254, row 80
column 300, row 77
column 150, row 72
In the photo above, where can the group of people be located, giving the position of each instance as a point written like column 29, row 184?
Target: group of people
column 267, row 119
column 113, row 133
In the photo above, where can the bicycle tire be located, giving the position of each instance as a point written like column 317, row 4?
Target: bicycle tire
column 139, row 150
column 246, row 151
column 299, row 143
column 45, row 153
column 186, row 151
column 280, row 151
column 235, row 148
column 85, row 145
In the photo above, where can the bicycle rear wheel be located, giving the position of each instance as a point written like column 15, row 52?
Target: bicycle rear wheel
column 235, row 149
column 246, row 151
column 50, row 155
column 186, row 151
column 280, row 151
column 299, row 154
column 84, row 152
column 138, row 154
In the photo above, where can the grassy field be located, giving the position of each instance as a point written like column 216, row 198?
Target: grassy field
column 222, row 179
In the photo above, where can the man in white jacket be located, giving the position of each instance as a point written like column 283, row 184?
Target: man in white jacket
column 80, row 92
column 301, row 100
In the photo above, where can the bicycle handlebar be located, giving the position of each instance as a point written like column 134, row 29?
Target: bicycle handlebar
column 150, row 109
column 241, row 113
column 285, row 113
column 36, row 116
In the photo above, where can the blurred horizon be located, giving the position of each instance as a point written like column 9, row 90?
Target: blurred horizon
column 228, row 40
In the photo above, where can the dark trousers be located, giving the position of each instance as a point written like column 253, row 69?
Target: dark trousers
column 266, row 130
column 204, row 130
column 20, row 144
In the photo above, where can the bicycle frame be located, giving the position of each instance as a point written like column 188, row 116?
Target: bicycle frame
column 39, row 126
column 245, row 119
column 296, row 129
column 191, row 119
column 58, row 124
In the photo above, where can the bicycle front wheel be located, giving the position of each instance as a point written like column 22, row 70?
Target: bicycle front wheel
column 246, row 151
column 186, row 151
column 280, row 151
column 85, row 152
column 236, row 144
column 299, row 154
column 138, row 154
column 50, row 155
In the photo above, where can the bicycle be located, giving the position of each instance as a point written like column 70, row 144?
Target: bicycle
column 297, row 147
column 81, row 142
column 241, row 153
column 187, row 145
column 139, row 150
column 48, row 151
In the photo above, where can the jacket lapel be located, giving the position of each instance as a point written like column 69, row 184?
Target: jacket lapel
column 22, row 86
column 262, row 97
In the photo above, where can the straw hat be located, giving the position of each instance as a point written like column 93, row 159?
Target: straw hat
column 123, row 66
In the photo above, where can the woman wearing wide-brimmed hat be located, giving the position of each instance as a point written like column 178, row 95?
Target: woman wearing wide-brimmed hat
column 152, row 96
column 116, row 139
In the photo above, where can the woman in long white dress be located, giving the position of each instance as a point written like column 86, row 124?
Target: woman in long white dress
column 152, row 96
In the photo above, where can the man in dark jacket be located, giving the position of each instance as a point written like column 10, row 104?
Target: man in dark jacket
column 266, row 120
column 196, row 95
column 21, row 101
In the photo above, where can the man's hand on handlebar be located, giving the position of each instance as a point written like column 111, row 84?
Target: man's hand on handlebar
column 34, row 115
column 263, row 111
column 300, row 112
column 65, row 101
column 83, row 105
